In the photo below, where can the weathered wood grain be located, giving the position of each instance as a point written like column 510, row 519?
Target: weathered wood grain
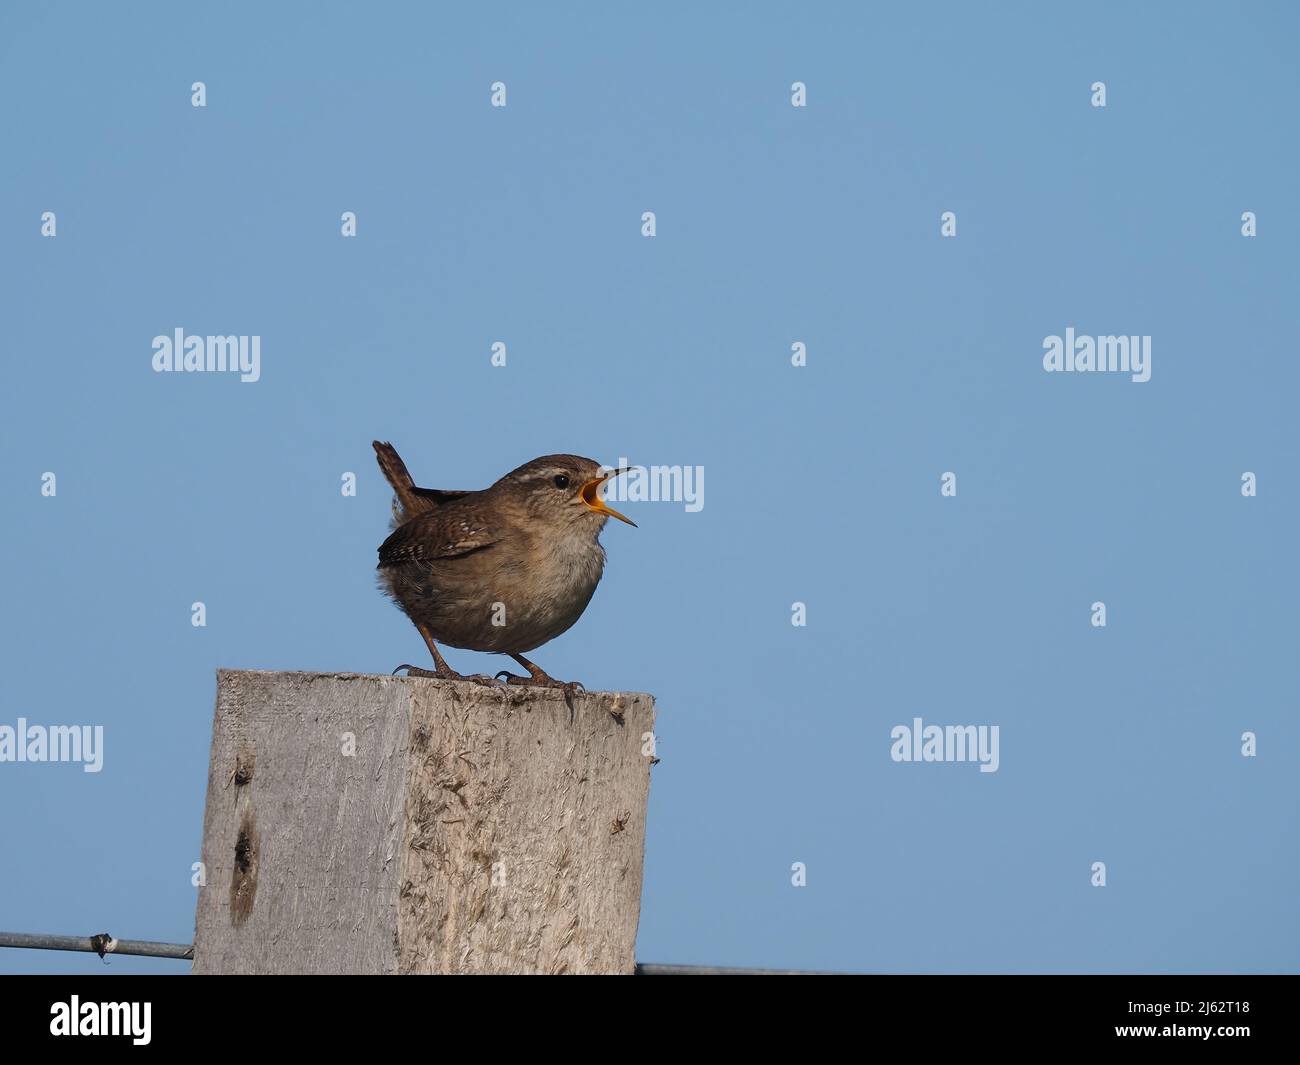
column 378, row 824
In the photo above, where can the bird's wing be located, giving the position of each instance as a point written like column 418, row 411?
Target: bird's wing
column 437, row 534
column 436, row 497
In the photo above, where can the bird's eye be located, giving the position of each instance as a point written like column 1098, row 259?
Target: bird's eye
column 561, row 481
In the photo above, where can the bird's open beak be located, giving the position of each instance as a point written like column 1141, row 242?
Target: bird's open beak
column 590, row 494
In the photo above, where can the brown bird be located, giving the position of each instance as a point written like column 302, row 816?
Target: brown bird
column 502, row 570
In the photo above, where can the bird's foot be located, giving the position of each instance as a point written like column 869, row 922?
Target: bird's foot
column 543, row 680
column 448, row 674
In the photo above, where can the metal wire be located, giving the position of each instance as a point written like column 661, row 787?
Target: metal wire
column 653, row 969
column 104, row 944
column 101, row 944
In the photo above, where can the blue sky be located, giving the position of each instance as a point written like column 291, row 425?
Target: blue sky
column 775, row 224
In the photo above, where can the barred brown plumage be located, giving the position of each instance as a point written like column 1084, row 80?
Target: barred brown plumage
column 501, row 570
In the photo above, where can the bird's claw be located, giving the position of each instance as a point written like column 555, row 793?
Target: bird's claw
column 570, row 688
column 450, row 674
column 541, row 682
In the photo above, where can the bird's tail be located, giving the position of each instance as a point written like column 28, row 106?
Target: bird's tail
column 398, row 476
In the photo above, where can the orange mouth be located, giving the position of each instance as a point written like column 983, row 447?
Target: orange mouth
column 590, row 495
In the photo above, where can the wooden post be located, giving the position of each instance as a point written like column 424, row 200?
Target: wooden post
column 374, row 824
